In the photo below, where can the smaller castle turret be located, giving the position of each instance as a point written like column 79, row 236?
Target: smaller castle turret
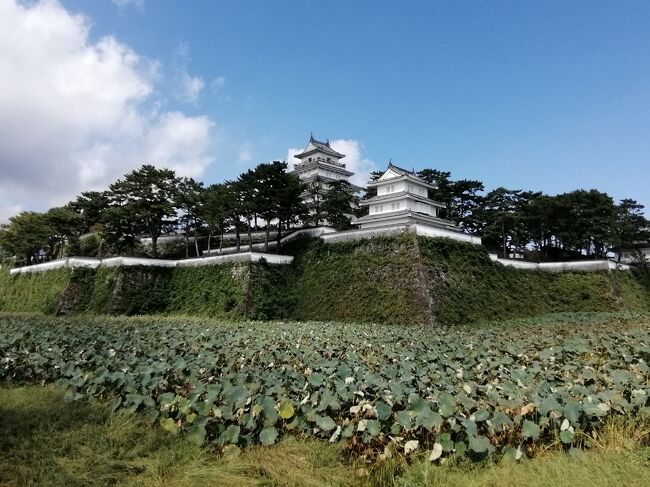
column 402, row 198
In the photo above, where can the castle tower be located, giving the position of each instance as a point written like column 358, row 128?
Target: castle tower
column 319, row 166
column 402, row 198
column 320, row 163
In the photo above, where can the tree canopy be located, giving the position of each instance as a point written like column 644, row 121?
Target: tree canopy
column 150, row 202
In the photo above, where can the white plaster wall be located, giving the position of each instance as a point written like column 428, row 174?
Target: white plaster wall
column 571, row 266
column 388, row 207
column 398, row 229
column 132, row 261
column 391, row 187
column 399, row 221
column 306, row 174
column 424, row 208
column 351, row 235
column 427, row 231
column 84, row 262
column 46, row 266
column 271, row 258
column 400, row 205
column 417, row 189
column 304, row 232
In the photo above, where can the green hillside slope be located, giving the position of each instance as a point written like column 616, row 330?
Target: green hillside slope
column 403, row 279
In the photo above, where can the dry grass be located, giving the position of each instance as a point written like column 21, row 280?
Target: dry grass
column 45, row 441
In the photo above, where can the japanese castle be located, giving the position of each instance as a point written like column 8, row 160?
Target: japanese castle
column 321, row 165
column 402, row 198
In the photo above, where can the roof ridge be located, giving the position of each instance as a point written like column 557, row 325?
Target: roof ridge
column 312, row 139
column 401, row 169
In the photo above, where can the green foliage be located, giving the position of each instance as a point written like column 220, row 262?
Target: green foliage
column 190, row 196
column 388, row 280
column 423, row 280
column 338, row 202
column 35, row 293
column 475, row 391
column 217, row 291
column 215, row 209
column 461, row 198
column 371, row 280
column 466, row 286
column 46, row 441
column 64, row 224
column 90, row 206
column 271, row 294
column 144, row 201
column 26, row 235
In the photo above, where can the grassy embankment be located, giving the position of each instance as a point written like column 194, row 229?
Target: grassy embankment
column 48, row 442
column 423, row 280
column 386, row 280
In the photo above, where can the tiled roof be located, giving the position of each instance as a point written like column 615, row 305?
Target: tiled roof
column 316, row 145
column 401, row 170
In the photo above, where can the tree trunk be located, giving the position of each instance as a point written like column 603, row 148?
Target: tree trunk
column 221, row 241
column 250, row 238
column 196, row 240
column 266, row 238
column 209, row 242
column 187, row 246
column 278, row 237
column 154, row 246
column 517, row 243
column 503, row 236
column 237, row 238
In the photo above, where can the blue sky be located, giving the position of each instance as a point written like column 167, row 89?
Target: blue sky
column 548, row 96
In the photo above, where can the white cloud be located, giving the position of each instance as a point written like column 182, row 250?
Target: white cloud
column 245, row 155
column 218, row 84
column 354, row 160
column 122, row 4
column 291, row 157
column 76, row 115
column 188, row 87
column 8, row 211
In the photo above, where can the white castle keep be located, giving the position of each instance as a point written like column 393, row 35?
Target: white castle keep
column 321, row 165
column 402, row 199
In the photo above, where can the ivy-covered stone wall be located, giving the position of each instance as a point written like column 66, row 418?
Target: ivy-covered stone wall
column 405, row 279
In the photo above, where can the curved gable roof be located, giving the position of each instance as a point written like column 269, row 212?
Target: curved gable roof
column 395, row 172
column 317, row 146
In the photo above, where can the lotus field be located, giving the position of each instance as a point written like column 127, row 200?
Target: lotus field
column 504, row 389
